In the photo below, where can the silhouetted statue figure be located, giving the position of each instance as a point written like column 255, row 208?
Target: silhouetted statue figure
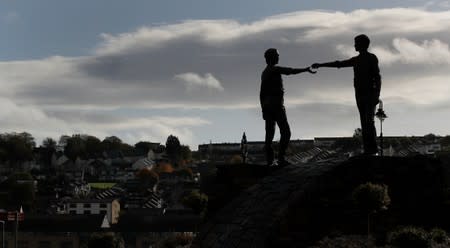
column 272, row 104
column 244, row 148
column 367, row 83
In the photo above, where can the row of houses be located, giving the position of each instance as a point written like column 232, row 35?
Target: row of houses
column 145, row 228
column 252, row 146
column 92, row 165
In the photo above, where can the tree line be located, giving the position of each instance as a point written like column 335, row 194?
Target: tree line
column 16, row 148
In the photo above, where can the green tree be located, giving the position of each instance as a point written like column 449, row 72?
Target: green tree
column 93, row 146
column 185, row 153
column 126, row 148
column 159, row 148
column 48, row 149
column 445, row 141
column 143, row 147
column 173, row 148
column 431, row 137
column 17, row 147
column 75, row 147
column 196, row 201
column 371, row 198
column 173, row 145
column 49, row 143
column 63, row 140
column 112, row 143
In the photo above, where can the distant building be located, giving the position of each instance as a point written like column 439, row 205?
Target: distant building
column 108, row 207
column 325, row 141
column 252, row 146
column 148, row 226
column 431, row 148
column 143, row 163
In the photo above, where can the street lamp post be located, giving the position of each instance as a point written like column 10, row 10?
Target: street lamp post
column 3, row 233
column 381, row 116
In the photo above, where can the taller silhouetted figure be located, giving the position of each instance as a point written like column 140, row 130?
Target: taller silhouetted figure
column 367, row 83
column 272, row 104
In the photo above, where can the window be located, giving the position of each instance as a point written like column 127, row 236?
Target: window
column 72, row 205
column 102, row 205
column 87, row 212
column 103, row 212
column 87, row 205
column 72, row 212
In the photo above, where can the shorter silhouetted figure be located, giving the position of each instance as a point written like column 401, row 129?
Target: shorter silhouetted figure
column 244, row 148
column 272, row 104
column 367, row 83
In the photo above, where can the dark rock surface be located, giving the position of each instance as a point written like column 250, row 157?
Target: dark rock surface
column 298, row 204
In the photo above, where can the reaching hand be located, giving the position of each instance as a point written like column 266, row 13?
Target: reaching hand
column 315, row 65
column 311, row 71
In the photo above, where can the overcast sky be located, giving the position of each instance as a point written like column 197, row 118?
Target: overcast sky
column 142, row 70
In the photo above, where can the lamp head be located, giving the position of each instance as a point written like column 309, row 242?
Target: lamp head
column 380, row 114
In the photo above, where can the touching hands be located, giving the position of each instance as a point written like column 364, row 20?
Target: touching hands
column 315, row 65
column 310, row 70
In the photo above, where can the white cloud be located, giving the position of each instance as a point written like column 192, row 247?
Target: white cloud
column 42, row 124
column 194, row 80
column 408, row 52
column 135, row 70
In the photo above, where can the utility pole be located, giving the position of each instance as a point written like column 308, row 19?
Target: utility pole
column 16, row 230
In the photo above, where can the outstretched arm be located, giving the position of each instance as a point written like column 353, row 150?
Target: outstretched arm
column 335, row 64
column 290, row 71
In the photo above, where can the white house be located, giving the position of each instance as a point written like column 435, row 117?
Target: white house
column 143, row 163
column 108, row 207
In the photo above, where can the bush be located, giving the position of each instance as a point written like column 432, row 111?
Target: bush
column 236, row 159
column 439, row 236
column 372, row 197
column 409, row 237
column 196, row 201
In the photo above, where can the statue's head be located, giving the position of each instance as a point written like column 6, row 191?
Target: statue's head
column 362, row 42
column 271, row 55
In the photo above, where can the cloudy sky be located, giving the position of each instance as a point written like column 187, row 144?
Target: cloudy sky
column 142, row 70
